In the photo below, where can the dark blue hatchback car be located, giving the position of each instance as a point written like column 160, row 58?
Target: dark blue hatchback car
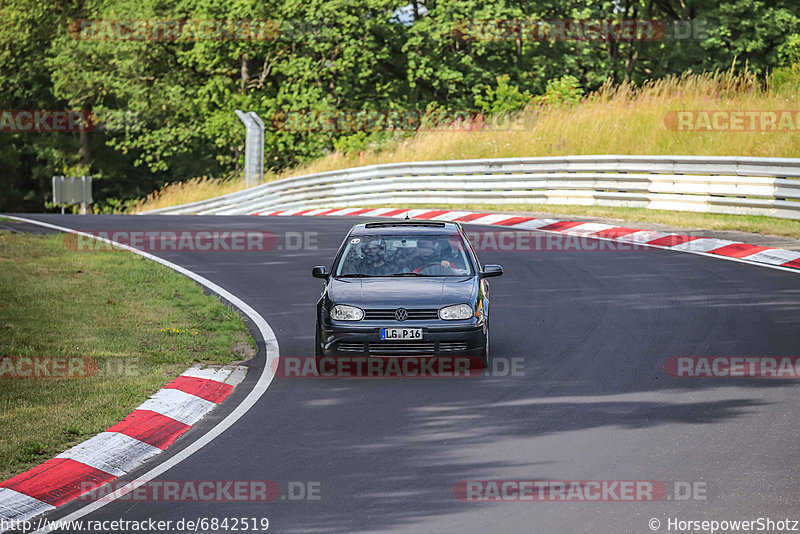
column 405, row 288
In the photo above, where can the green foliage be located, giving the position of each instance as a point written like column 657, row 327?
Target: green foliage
column 565, row 90
column 786, row 79
column 343, row 55
column 506, row 98
column 114, row 205
column 789, row 51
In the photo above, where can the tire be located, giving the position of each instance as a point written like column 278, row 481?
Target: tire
column 317, row 344
column 484, row 357
column 318, row 354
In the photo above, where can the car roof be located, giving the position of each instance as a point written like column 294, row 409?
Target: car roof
column 406, row 227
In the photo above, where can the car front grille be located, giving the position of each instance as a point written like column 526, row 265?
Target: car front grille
column 401, row 348
column 413, row 314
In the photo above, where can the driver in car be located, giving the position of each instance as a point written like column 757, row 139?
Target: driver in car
column 428, row 253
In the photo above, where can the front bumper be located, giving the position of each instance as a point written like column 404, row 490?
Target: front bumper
column 439, row 338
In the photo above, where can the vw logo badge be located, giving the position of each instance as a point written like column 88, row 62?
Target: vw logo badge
column 401, row 314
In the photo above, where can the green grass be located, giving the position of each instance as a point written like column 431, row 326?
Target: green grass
column 756, row 224
column 6, row 219
column 141, row 322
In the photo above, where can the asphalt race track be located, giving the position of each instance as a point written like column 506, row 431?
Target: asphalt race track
column 593, row 330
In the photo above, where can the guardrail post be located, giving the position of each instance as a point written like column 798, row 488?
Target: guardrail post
column 253, row 147
column 259, row 146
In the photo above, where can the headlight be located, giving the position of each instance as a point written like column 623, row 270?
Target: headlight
column 454, row 313
column 343, row 312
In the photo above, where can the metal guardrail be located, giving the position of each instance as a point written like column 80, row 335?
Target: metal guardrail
column 737, row 185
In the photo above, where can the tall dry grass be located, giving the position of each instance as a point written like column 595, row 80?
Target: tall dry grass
column 175, row 193
column 616, row 119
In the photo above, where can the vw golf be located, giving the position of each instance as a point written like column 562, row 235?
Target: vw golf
column 405, row 288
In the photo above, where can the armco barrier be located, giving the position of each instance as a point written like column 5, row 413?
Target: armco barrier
column 714, row 184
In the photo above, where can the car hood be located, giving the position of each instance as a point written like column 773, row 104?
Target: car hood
column 432, row 292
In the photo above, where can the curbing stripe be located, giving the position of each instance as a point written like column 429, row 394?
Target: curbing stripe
column 781, row 259
column 178, row 405
column 209, row 373
column 794, row 264
column 535, row 224
column 151, row 427
column 450, row 215
column 111, row 452
column 431, row 214
column 587, row 229
column 670, row 240
column 209, row 390
column 560, row 226
column 739, row 250
column 55, row 482
column 641, row 236
column 514, row 221
column 490, row 218
column 704, row 244
column 14, row 504
column 775, row 256
column 469, row 217
column 615, row 232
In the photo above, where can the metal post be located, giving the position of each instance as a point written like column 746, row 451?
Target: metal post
column 249, row 171
column 259, row 147
column 83, row 195
column 253, row 147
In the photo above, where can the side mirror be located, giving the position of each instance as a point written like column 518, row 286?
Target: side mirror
column 490, row 271
column 320, row 272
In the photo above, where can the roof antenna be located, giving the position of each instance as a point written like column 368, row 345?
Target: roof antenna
column 407, row 217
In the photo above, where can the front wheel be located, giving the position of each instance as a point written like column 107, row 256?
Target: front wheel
column 318, row 354
column 484, row 357
column 317, row 344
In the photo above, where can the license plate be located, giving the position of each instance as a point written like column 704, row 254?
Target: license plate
column 392, row 334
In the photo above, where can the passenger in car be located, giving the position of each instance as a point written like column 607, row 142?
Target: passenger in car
column 373, row 262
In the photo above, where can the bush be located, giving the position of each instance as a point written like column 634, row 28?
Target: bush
column 506, row 98
column 786, row 79
column 564, row 90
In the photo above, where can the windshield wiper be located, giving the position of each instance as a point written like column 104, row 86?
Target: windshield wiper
column 354, row 275
column 409, row 274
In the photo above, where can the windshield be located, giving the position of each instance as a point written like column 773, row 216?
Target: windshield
column 403, row 255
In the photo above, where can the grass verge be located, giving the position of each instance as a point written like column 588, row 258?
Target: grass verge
column 755, row 224
column 140, row 321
